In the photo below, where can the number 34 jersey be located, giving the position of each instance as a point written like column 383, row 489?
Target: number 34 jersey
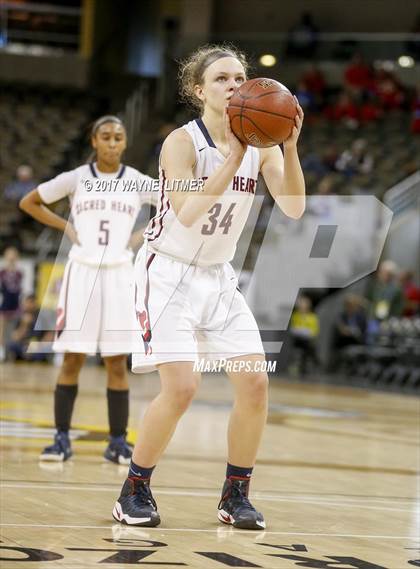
column 213, row 238
column 104, row 209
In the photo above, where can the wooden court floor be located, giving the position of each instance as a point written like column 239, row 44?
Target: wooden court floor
column 337, row 480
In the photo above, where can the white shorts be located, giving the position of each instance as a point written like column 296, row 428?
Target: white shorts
column 188, row 312
column 96, row 310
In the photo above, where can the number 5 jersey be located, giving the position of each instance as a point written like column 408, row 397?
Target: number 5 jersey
column 104, row 208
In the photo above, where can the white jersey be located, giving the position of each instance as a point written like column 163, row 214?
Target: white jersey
column 213, row 238
column 104, row 208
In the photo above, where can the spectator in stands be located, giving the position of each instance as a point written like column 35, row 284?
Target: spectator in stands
column 344, row 110
column 411, row 294
column 356, row 160
column 10, row 291
column 384, row 293
column 388, row 90
column 349, row 329
column 415, row 121
column 23, row 184
column 304, row 329
column 315, row 83
column 370, row 109
column 305, row 97
column 358, row 76
column 350, row 326
column 25, row 332
column 303, row 37
column 324, row 203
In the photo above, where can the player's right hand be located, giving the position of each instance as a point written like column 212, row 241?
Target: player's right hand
column 71, row 233
column 237, row 147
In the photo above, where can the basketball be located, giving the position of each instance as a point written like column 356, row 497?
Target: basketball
column 262, row 112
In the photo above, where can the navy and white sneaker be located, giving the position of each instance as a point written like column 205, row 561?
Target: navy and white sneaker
column 136, row 505
column 235, row 508
column 60, row 451
column 118, row 451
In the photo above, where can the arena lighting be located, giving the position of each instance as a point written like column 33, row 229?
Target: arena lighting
column 405, row 61
column 268, row 60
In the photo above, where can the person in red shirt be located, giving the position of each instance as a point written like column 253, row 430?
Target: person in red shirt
column 358, row 74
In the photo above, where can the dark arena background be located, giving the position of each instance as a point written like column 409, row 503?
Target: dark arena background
column 336, row 294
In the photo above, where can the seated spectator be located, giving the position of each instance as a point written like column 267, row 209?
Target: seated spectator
column 344, row 110
column 358, row 75
column 314, row 80
column 389, row 92
column 356, row 160
column 324, row 203
column 305, row 97
column 10, row 291
column 23, row 184
column 304, row 329
column 384, row 295
column 350, row 326
column 25, row 332
column 370, row 109
column 411, row 294
column 303, row 37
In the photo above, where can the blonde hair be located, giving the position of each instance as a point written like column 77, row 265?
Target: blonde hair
column 191, row 71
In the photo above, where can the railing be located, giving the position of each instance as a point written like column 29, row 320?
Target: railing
column 405, row 195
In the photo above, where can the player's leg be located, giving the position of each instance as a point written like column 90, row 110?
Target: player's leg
column 64, row 398
column 118, row 450
column 246, row 425
column 179, row 384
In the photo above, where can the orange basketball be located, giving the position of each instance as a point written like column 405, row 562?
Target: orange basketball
column 262, row 112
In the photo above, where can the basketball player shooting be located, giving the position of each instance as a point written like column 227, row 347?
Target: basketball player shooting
column 186, row 285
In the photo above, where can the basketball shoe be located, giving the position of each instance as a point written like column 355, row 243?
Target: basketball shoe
column 136, row 505
column 60, row 451
column 118, row 451
column 235, row 508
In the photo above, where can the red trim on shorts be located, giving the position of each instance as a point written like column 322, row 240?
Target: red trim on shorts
column 144, row 316
column 165, row 205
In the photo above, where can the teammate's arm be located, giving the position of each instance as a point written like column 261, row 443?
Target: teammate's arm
column 177, row 161
column 33, row 205
column 283, row 175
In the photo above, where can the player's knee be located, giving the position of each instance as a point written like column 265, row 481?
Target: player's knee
column 257, row 390
column 117, row 371
column 72, row 364
column 182, row 395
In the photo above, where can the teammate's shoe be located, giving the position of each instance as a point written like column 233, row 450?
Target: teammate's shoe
column 235, row 508
column 60, row 451
column 118, row 450
column 136, row 506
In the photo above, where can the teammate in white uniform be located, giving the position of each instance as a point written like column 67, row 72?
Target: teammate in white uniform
column 188, row 305
column 96, row 304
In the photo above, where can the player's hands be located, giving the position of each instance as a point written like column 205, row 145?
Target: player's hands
column 71, row 233
column 293, row 138
column 237, row 147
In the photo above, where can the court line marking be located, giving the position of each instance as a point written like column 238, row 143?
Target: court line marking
column 264, row 532
column 258, row 496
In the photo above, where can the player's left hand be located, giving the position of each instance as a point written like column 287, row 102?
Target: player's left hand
column 293, row 138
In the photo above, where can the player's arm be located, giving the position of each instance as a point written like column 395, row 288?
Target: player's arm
column 178, row 159
column 137, row 238
column 33, row 205
column 283, row 175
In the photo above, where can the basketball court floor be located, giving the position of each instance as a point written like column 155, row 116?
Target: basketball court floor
column 337, row 480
